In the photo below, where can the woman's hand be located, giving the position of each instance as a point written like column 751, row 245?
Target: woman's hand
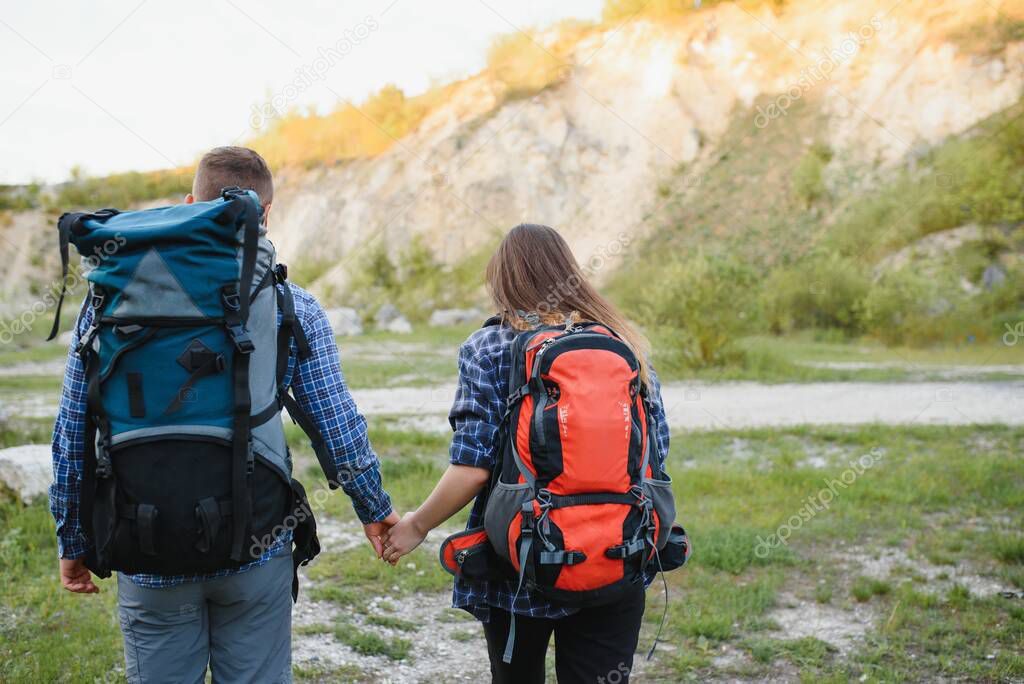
column 454, row 490
column 402, row 538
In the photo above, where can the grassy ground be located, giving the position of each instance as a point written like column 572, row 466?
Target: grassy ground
column 428, row 357
column 946, row 501
column 901, row 560
column 801, row 358
column 425, row 357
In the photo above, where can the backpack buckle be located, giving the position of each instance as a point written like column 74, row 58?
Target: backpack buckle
column 240, row 337
column 232, row 300
column 104, row 467
column 86, row 340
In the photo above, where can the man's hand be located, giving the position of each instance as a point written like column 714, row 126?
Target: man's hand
column 403, row 538
column 374, row 531
column 74, row 576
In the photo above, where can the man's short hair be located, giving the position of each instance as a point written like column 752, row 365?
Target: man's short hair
column 223, row 167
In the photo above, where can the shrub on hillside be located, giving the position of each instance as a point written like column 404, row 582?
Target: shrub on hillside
column 917, row 308
column 823, row 291
column 415, row 281
column 616, row 10
column 351, row 131
column 121, row 190
column 520, row 62
column 699, row 304
column 809, row 175
column 19, row 197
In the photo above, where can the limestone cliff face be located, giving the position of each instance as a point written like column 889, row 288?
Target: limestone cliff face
column 640, row 102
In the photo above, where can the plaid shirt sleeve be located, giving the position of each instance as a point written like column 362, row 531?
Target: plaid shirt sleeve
column 661, row 436
column 320, row 389
column 476, row 413
column 67, row 449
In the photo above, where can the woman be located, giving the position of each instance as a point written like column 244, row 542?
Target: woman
column 532, row 278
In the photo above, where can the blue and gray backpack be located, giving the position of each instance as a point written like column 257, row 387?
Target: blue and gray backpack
column 186, row 469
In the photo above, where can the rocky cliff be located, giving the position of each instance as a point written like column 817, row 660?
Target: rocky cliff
column 639, row 101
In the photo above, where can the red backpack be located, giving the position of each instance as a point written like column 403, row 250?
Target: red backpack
column 576, row 506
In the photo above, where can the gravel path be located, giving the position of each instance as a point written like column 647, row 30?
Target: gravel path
column 749, row 404
column 444, row 648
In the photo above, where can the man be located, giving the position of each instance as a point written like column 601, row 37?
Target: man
column 238, row 621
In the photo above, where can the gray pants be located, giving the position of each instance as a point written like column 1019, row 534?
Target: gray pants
column 240, row 625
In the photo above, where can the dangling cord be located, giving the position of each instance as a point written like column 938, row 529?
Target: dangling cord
column 664, row 612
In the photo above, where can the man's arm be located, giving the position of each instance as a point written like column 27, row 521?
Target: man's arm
column 320, row 389
column 68, row 445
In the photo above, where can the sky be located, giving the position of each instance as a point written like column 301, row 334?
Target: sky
column 120, row 85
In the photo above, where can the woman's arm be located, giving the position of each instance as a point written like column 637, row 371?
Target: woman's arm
column 475, row 416
column 454, row 490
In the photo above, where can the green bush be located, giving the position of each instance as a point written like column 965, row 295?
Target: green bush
column 416, row 282
column 617, row 10
column 809, row 175
column 19, row 197
column 520, row 62
column 121, row 190
column 824, row 292
column 701, row 302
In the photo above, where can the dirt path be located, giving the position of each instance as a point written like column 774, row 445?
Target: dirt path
column 748, row 404
column 732, row 405
column 447, row 645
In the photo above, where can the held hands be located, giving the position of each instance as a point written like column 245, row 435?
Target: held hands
column 374, row 532
column 74, row 576
column 402, row 538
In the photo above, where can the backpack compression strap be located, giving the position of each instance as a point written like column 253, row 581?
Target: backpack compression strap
column 250, row 211
column 243, row 462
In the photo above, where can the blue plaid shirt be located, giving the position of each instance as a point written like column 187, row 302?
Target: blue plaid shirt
column 319, row 387
column 484, row 363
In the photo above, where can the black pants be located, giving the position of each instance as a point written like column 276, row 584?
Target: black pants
column 595, row 645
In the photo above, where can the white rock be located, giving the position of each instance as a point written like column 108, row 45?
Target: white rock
column 345, row 321
column 386, row 314
column 400, row 326
column 26, row 470
column 448, row 317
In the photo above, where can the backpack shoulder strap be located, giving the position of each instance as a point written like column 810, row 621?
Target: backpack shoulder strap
column 291, row 329
column 493, row 320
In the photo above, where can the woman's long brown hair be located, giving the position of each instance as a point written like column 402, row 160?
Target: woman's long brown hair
column 534, row 272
